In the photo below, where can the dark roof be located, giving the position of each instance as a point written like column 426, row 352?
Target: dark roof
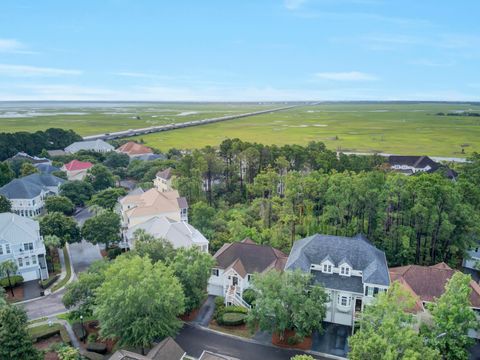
column 46, row 168
column 58, row 152
column 29, row 186
column 339, row 282
column 165, row 174
column 428, row 282
column 149, row 157
column 358, row 251
column 249, row 257
column 418, row 162
column 29, row 158
column 182, row 203
column 167, row 349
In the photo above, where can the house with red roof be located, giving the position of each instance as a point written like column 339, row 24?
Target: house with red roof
column 427, row 283
column 236, row 263
column 76, row 169
column 133, row 149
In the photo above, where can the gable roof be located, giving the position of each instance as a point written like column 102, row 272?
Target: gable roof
column 76, row 165
column 165, row 174
column 418, row 162
column 94, row 145
column 132, row 148
column 427, row 283
column 32, row 159
column 153, row 202
column 357, row 251
column 29, row 186
column 46, row 168
column 246, row 257
column 178, row 233
column 167, row 349
column 16, row 229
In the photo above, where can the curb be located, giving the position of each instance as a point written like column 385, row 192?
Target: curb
column 252, row 341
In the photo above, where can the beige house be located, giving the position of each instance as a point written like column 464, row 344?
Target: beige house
column 163, row 180
column 141, row 206
column 76, row 170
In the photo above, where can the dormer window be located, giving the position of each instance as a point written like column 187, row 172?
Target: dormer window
column 327, row 268
column 345, row 270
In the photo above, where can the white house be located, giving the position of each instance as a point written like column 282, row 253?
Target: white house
column 28, row 193
column 163, row 180
column 411, row 164
column 179, row 233
column 21, row 242
column 236, row 263
column 351, row 270
column 92, row 145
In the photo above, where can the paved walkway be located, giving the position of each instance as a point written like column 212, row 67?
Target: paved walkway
column 195, row 339
column 206, row 311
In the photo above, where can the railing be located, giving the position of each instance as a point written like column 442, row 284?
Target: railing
column 233, row 297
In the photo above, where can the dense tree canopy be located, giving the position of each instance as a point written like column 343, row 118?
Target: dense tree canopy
column 60, row 204
column 103, row 228
column 27, row 169
column 146, row 244
column 79, row 192
column 107, row 198
column 139, row 302
column 6, row 173
column 5, row 204
column 62, row 226
column 100, row 177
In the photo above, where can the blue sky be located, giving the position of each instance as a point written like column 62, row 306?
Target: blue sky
column 243, row 50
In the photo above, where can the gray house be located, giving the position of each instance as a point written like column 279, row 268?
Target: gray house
column 20, row 241
column 92, row 145
column 351, row 270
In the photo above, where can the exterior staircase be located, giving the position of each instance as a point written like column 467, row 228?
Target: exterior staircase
column 233, row 298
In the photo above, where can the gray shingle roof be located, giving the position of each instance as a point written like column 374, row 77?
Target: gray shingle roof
column 46, row 168
column 29, row 186
column 358, row 251
column 419, row 162
column 94, row 145
column 338, row 282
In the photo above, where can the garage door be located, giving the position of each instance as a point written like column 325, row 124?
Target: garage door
column 30, row 275
column 216, row 290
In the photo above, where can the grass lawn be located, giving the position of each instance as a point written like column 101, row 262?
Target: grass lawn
column 389, row 128
column 45, row 330
column 87, row 118
column 62, row 282
column 37, row 321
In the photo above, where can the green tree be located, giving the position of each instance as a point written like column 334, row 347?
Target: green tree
column 102, row 228
column 100, row 177
column 8, row 268
column 15, row 343
column 386, row 330
column 77, row 191
column 146, row 244
column 453, row 317
column 5, row 204
column 287, row 301
column 302, row 357
column 193, row 268
column 27, row 169
column 66, row 352
column 81, row 294
column 107, row 198
column 60, row 204
column 60, row 225
column 51, row 242
column 6, row 173
column 116, row 160
column 128, row 304
column 60, row 174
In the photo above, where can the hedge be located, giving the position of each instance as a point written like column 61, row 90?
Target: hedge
column 232, row 319
column 48, row 282
column 236, row 309
column 79, row 331
column 97, row 347
column 14, row 279
column 45, row 331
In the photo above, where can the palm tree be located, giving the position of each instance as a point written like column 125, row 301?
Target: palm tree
column 6, row 268
column 51, row 242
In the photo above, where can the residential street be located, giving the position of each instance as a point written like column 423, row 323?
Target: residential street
column 45, row 306
column 195, row 339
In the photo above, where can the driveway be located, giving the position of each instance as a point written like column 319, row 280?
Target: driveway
column 334, row 339
column 83, row 254
column 82, row 215
column 195, row 339
column 206, row 311
column 31, row 289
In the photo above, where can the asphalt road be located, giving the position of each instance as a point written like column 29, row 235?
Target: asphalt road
column 45, row 306
column 194, row 339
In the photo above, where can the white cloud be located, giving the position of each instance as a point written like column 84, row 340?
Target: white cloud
column 29, row 71
column 294, row 4
column 13, row 46
column 345, row 76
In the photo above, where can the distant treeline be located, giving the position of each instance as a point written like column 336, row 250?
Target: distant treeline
column 34, row 143
column 463, row 113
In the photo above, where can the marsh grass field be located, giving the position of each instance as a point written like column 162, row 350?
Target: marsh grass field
column 400, row 128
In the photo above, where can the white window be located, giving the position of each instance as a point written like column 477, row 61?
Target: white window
column 343, row 300
column 215, row 272
column 327, row 268
column 27, row 261
column 370, row 290
column 7, row 248
column 20, row 262
column 345, row 270
column 34, row 260
column 28, row 246
column 1, row 250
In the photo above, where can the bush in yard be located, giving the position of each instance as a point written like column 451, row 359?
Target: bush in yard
column 15, row 279
column 302, row 357
column 47, row 282
column 219, row 307
column 232, row 319
column 249, row 296
column 113, row 253
column 97, row 347
column 92, row 338
column 68, row 353
column 236, row 309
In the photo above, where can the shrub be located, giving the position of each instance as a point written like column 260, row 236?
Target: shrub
column 97, row 347
column 233, row 319
column 219, row 308
column 236, row 309
column 294, row 340
column 92, row 338
column 113, row 253
column 14, row 279
column 79, row 331
column 249, row 296
column 219, row 301
column 48, row 282
column 67, row 353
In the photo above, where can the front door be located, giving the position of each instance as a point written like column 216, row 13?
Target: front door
column 234, row 280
